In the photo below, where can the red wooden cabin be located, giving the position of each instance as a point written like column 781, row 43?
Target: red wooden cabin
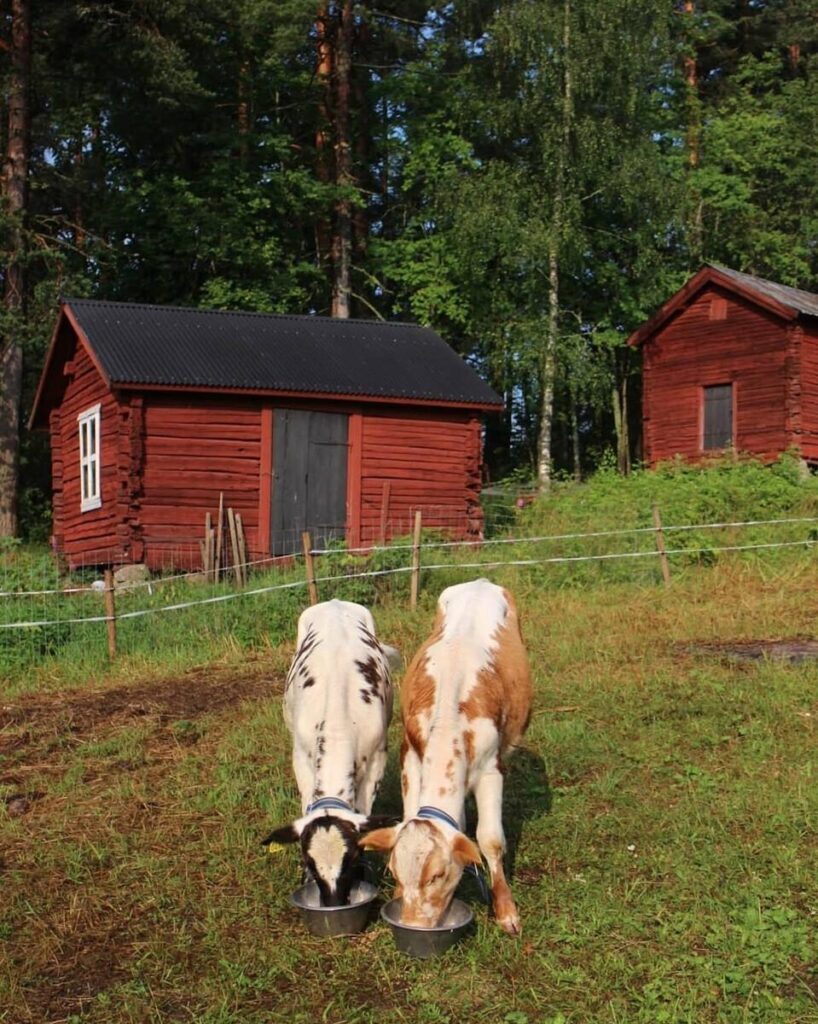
column 301, row 422
column 730, row 361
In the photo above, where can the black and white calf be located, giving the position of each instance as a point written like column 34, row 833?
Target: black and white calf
column 337, row 705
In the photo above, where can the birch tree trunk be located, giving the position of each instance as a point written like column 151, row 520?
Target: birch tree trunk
column 15, row 195
column 549, row 364
column 549, row 360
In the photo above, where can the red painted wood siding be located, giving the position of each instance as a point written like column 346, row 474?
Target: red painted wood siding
column 430, row 461
column 749, row 348
column 85, row 538
column 194, row 448
column 167, row 457
column 807, row 345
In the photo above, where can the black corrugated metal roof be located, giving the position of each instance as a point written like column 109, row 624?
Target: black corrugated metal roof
column 802, row 302
column 199, row 348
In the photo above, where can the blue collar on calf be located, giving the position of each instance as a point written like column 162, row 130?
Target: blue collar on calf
column 435, row 814
column 328, row 803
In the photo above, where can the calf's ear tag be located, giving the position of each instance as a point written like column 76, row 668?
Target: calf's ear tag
column 273, row 848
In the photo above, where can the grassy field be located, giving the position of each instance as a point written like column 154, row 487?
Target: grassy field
column 663, row 822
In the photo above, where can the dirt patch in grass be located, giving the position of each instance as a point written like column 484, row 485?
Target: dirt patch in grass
column 187, row 696
column 794, row 651
column 89, row 944
column 181, row 698
column 94, row 962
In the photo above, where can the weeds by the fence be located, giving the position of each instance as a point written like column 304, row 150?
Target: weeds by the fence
column 598, row 534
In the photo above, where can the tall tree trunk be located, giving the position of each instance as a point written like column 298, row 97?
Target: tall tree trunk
column 575, row 448
column 324, row 170
column 342, row 234
column 549, row 364
column 243, row 110
column 691, row 74
column 549, row 359
column 15, row 188
column 693, row 114
column 619, row 397
column 360, row 214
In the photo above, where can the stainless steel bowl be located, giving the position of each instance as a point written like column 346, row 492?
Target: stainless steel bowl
column 428, row 942
column 331, row 921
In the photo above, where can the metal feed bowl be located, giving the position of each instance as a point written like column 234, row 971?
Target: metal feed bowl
column 428, row 942
column 331, row 921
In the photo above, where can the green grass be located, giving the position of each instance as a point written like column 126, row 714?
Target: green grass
column 68, row 653
column 662, row 818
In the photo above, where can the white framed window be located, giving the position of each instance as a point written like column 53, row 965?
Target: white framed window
column 90, row 491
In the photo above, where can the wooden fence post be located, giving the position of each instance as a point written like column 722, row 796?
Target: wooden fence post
column 234, row 545
column 413, row 596
column 242, row 548
column 306, row 540
column 110, row 612
column 387, row 491
column 660, row 545
column 219, row 539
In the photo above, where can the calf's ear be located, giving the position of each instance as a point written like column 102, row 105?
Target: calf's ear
column 378, row 821
column 393, row 657
column 285, row 834
column 382, row 840
column 465, row 851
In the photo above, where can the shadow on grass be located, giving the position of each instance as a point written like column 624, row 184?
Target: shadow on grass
column 526, row 794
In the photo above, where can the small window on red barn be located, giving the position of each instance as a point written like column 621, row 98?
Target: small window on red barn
column 718, row 308
column 90, row 491
column 718, row 416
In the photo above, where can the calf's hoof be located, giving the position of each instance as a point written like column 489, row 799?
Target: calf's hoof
column 511, row 925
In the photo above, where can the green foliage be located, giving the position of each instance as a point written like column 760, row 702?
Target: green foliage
column 183, row 153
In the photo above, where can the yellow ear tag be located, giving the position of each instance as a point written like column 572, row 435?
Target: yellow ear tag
column 273, row 848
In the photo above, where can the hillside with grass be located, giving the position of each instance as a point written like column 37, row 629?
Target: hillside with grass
column 722, row 490
column 592, row 534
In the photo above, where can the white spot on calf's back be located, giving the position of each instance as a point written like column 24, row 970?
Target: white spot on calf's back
column 473, row 611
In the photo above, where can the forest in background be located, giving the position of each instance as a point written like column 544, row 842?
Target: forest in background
column 532, row 178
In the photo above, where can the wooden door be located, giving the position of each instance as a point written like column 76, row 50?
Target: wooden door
column 310, row 455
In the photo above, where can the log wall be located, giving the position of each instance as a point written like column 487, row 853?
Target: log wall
column 428, row 460
column 166, row 458
column 85, row 538
column 719, row 339
column 808, row 387
column 195, row 447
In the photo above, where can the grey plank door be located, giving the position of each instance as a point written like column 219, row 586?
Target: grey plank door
column 309, row 478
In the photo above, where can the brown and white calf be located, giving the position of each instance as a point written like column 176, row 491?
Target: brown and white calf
column 466, row 700
column 337, row 705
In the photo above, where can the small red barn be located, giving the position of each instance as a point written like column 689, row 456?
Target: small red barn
column 299, row 421
column 731, row 360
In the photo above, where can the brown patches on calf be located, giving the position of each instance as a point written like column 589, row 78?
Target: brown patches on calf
column 418, row 691
column 468, row 743
column 417, row 697
column 504, row 690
